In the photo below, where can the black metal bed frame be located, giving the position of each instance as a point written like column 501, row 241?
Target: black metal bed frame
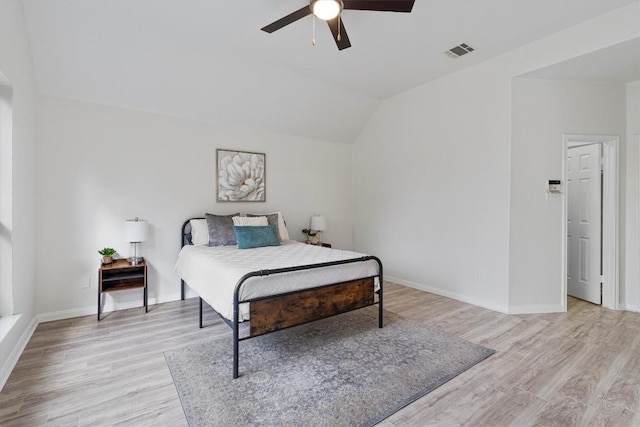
column 235, row 323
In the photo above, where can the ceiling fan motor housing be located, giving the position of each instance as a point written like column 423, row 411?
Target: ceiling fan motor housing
column 326, row 9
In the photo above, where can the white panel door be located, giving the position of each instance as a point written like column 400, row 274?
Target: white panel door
column 584, row 193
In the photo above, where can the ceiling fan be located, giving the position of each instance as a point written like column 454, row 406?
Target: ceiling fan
column 330, row 10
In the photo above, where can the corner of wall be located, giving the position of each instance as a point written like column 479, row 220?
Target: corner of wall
column 12, row 359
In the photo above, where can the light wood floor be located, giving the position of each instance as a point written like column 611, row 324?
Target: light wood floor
column 580, row 368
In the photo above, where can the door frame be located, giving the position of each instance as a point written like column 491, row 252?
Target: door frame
column 610, row 265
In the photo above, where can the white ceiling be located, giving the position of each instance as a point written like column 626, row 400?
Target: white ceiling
column 207, row 60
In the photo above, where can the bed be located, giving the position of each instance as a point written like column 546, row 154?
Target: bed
column 262, row 290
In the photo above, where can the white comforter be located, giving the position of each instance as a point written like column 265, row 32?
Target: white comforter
column 214, row 271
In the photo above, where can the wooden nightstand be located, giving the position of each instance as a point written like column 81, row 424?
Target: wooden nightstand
column 122, row 276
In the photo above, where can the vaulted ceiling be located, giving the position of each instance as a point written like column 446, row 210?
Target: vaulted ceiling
column 207, row 60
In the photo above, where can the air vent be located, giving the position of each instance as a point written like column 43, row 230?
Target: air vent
column 458, row 51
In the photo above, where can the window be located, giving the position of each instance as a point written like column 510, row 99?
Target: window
column 6, row 275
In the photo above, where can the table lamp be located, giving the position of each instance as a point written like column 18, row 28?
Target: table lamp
column 135, row 231
column 318, row 224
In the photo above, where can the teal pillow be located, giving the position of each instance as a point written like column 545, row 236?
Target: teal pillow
column 256, row 236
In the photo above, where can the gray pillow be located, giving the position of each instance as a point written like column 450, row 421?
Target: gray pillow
column 272, row 219
column 221, row 229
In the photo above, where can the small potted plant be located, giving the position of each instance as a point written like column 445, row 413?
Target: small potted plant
column 107, row 255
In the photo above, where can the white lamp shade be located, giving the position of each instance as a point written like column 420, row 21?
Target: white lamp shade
column 135, row 230
column 318, row 223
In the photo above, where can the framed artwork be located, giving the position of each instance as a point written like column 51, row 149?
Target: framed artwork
column 240, row 176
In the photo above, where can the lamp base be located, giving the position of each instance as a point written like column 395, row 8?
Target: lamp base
column 313, row 240
column 134, row 259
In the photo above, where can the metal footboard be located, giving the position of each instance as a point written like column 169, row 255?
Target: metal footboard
column 236, row 297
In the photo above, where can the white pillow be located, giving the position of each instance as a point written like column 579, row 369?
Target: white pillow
column 283, row 234
column 251, row 221
column 282, row 227
column 199, row 232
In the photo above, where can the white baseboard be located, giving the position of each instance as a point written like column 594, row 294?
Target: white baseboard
column 535, row 309
column 522, row 309
column 10, row 363
column 66, row 314
column 629, row 307
column 109, row 306
column 445, row 293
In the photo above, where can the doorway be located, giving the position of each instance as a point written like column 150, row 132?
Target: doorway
column 584, row 222
column 605, row 269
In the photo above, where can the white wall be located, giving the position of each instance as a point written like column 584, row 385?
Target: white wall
column 542, row 111
column 15, row 65
column 630, row 297
column 101, row 165
column 432, row 173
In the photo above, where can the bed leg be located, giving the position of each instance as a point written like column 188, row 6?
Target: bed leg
column 236, row 335
column 235, row 355
column 182, row 290
column 380, row 311
column 200, row 312
column 380, row 293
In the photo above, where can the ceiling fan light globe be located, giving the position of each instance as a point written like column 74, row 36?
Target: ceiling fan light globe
column 326, row 9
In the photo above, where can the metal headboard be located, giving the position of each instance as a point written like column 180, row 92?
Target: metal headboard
column 185, row 236
column 185, row 239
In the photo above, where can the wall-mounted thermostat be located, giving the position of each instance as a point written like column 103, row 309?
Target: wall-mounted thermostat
column 554, row 190
column 555, row 186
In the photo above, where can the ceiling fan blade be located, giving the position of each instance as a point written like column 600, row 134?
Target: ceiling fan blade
column 290, row 18
column 380, row 5
column 344, row 42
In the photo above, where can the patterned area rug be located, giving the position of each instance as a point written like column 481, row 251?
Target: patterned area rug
column 341, row 371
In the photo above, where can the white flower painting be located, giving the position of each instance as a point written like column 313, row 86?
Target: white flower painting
column 241, row 176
